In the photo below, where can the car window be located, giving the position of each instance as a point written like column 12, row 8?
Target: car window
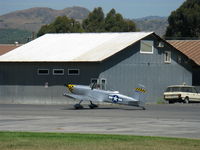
column 186, row 89
column 194, row 90
column 173, row 89
column 181, row 89
column 176, row 89
column 168, row 89
column 197, row 89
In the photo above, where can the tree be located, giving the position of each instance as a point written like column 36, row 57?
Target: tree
column 114, row 22
column 185, row 21
column 62, row 24
column 95, row 21
column 43, row 30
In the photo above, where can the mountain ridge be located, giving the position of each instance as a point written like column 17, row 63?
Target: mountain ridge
column 157, row 24
column 24, row 22
column 33, row 18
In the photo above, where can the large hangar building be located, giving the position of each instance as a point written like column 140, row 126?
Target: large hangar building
column 37, row 71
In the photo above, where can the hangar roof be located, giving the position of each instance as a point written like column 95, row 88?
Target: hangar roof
column 73, row 47
column 4, row 48
column 190, row 48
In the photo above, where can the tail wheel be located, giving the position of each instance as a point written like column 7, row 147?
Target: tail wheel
column 186, row 100
column 143, row 108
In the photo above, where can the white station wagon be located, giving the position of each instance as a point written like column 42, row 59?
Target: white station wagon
column 181, row 93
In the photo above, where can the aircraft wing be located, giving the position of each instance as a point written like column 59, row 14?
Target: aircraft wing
column 82, row 97
column 77, row 97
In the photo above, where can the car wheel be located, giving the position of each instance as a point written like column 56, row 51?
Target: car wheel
column 186, row 100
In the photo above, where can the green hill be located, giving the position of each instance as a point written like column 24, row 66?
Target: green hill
column 32, row 19
column 9, row 36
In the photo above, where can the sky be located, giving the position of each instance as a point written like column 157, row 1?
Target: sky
column 128, row 8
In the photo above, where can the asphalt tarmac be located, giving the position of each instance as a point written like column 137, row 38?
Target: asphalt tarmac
column 176, row 120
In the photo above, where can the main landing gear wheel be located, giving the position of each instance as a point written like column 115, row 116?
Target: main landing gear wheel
column 78, row 106
column 92, row 106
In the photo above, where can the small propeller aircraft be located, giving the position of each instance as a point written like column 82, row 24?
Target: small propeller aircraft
column 92, row 94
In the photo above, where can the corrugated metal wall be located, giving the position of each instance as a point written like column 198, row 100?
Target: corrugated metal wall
column 20, row 83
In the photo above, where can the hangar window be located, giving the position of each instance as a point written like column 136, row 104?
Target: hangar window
column 146, row 46
column 161, row 44
column 103, row 84
column 167, row 57
column 94, row 80
column 95, row 83
column 43, row 71
column 73, row 71
column 58, row 71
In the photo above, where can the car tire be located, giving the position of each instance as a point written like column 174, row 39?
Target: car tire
column 186, row 100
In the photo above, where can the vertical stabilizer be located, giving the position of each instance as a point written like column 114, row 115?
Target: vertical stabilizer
column 140, row 94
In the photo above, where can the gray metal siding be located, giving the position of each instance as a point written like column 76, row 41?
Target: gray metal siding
column 127, row 69
column 20, row 82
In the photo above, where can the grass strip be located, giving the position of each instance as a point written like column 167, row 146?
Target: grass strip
column 75, row 141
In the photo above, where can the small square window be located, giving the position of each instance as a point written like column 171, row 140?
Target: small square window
column 58, row 71
column 73, row 72
column 167, row 57
column 43, row 71
column 94, row 80
column 94, row 83
column 146, row 46
column 103, row 84
column 161, row 44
